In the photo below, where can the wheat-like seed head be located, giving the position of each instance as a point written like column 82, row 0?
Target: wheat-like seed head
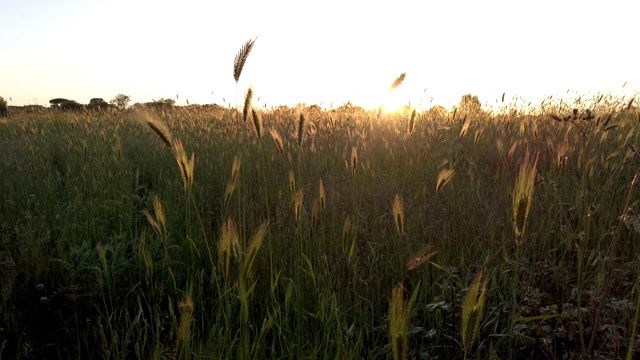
column 247, row 104
column 292, row 182
column 473, row 309
column 346, row 227
column 278, row 140
column 232, row 183
column 228, row 193
column 423, row 255
column 158, row 221
column 315, row 212
column 412, row 122
column 322, row 196
column 241, row 58
column 399, row 323
column 297, row 203
column 477, row 137
column 235, row 169
column 398, row 214
column 257, row 123
column 444, row 176
column 354, row 161
column 465, row 127
column 185, row 164
column 397, row 82
column 254, row 246
column 228, row 246
column 162, row 131
column 523, row 195
column 300, row 129
column 185, row 307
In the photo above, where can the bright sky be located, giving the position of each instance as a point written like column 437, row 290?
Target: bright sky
column 321, row 52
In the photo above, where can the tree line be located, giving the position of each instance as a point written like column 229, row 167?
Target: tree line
column 469, row 105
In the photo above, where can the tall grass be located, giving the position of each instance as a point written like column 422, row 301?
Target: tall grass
column 182, row 234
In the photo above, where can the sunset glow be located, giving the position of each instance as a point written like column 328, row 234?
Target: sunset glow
column 324, row 55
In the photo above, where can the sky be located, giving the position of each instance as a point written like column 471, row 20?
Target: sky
column 324, row 52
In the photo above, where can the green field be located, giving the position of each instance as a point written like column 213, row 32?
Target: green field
column 340, row 234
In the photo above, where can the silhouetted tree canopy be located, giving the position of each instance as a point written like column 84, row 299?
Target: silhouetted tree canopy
column 71, row 105
column 57, row 101
column 4, row 111
column 97, row 104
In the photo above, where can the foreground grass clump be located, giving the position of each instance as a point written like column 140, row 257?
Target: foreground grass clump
column 345, row 234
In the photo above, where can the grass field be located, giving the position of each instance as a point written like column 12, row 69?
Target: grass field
column 336, row 234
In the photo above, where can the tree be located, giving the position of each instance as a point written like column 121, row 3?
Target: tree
column 57, row 102
column 121, row 101
column 71, row 105
column 3, row 107
column 97, row 104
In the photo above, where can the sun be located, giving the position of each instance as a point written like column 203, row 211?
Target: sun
column 379, row 95
column 390, row 102
column 394, row 102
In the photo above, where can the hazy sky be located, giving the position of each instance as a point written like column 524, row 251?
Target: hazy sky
column 320, row 52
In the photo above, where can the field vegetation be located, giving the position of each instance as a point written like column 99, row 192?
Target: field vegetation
column 216, row 233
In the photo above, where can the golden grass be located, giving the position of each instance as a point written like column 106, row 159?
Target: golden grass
column 472, row 310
